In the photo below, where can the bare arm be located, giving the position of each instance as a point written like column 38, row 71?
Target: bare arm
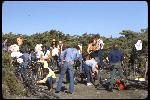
column 88, row 49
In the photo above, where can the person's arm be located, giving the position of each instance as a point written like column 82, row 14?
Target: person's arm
column 41, row 55
column 63, row 54
column 95, row 66
column 47, row 76
column 88, row 49
column 47, row 55
column 43, row 80
column 122, row 56
column 109, row 57
column 77, row 55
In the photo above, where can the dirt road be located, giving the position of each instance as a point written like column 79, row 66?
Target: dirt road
column 90, row 92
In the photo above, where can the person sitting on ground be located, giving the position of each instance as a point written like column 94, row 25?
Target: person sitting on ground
column 50, row 78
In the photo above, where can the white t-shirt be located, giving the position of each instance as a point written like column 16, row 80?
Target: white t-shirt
column 38, row 47
column 100, row 43
column 46, row 55
column 138, row 45
column 16, row 54
column 55, row 51
column 39, row 54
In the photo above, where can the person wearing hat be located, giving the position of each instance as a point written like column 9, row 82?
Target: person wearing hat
column 115, row 57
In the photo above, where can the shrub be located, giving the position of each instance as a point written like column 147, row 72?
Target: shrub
column 10, row 83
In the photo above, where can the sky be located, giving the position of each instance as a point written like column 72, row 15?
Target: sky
column 108, row 18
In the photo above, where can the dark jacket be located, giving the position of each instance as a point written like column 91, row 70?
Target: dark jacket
column 115, row 56
column 24, row 48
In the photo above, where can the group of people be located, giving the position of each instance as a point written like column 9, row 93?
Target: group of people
column 63, row 58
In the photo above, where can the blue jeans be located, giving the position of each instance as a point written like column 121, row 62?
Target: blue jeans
column 101, row 55
column 24, row 64
column 26, row 57
column 51, row 82
column 80, row 58
column 26, row 60
column 67, row 67
column 87, row 70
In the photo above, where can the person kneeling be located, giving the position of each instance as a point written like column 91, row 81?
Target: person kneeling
column 91, row 69
column 50, row 78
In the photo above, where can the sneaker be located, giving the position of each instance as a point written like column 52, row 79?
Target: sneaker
column 89, row 84
column 86, row 79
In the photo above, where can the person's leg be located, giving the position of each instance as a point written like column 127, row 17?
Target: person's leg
column 84, row 72
column 112, row 76
column 62, row 73
column 56, row 62
column 91, row 75
column 53, row 63
column 67, row 76
column 51, row 81
column 71, row 76
column 120, row 71
column 81, row 64
column 87, row 72
column 97, row 59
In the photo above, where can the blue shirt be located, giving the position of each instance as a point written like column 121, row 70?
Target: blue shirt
column 115, row 56
column 70, row 55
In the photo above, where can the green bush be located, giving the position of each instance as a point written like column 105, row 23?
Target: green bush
column 9, row 79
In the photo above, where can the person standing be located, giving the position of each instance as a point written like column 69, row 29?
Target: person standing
column 24, row 50
column 55, row 55
column 115, row 57
column 68, row 58
column 47, row 54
